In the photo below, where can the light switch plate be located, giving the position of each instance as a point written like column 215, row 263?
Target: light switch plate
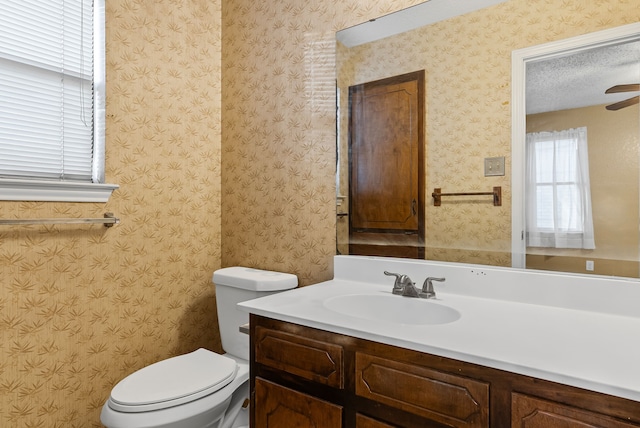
column 494, row 166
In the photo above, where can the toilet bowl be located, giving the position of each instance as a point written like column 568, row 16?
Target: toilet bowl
column 201, row 389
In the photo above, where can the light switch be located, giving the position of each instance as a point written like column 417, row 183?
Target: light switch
column 494, row 166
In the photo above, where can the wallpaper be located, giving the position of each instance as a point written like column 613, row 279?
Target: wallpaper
column 221, row 135
column 83, row 306
column 279, row 149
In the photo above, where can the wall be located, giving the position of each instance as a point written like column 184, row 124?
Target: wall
column 83, row 306
column 613, row 169
column 468, row 116
column 278, row 156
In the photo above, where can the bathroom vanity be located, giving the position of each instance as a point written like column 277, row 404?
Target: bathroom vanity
column 509, row 359
column 325, row 379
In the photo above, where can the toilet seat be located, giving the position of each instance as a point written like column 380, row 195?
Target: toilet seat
column 173, row 382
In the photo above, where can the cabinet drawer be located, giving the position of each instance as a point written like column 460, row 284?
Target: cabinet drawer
column 530, row 412
column 308, row 358
column 438, row 396
column 283, row 407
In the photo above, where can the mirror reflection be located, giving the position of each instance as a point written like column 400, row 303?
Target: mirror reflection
column 466, row 62
column 582, row 159
column 386, row 167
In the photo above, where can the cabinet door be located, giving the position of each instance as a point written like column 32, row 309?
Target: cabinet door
column 530, row 412
column 363, row 421
column 279, row 407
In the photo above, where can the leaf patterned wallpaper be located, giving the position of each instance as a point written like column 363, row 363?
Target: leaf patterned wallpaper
column 83, row 306
column 278, row 159
column 221, row 134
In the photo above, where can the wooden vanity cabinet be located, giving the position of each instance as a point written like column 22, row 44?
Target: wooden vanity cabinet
column 304, row 377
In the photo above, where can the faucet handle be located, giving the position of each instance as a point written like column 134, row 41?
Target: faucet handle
column 427, row 287
column 400, row 282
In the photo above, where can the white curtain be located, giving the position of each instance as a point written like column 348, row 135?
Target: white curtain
column 558, row 197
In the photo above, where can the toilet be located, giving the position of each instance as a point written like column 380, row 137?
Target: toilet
column 200, row 389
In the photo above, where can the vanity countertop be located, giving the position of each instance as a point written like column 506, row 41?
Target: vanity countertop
column 594, row 350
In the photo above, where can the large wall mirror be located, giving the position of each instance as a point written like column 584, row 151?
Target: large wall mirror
column 465, row 56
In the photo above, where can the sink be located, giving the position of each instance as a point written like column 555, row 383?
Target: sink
column 392, row 309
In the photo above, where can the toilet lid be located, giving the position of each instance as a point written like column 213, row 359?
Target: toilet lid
column 174, row 381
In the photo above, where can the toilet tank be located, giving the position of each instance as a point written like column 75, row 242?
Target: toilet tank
column 239, row 284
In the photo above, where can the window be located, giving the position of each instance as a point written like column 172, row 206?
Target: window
column 52, row 100
column 558, row 192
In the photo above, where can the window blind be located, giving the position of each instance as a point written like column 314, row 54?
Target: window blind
column 46, row 89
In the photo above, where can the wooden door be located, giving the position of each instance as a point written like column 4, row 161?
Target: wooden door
column 386, row 166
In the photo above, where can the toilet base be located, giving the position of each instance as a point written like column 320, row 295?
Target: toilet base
column 237, row 416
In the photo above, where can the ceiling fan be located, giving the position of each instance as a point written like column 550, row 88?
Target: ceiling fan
column 623, row 88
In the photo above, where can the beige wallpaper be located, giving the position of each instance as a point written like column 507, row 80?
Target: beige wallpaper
column 278, row 177
column 83, row 306
column 80, row 307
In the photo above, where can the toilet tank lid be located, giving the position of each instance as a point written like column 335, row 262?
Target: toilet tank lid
column 254, row 279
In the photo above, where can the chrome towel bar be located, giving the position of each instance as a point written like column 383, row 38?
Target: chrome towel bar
column 108, row 221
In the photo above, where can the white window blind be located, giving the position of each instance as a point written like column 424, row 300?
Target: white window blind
column 49, row 91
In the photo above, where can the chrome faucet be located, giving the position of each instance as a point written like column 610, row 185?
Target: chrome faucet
column 427, row 288
column 403, row 285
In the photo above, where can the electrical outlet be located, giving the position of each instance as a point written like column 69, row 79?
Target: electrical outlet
column 590, row 265
column 494, row 166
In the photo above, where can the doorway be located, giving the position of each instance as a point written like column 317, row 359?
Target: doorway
column 614, row 201
column 386, row 167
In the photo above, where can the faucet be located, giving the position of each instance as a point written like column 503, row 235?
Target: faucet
column 427, row 288
column 403, row 285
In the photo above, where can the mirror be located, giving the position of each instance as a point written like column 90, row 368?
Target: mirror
column 467, row 64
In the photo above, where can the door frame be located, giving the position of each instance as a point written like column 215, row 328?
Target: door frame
column 519, row 60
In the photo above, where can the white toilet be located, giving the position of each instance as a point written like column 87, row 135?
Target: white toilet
column 201, row 389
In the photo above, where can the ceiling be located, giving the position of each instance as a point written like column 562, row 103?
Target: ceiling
column 580, row 79
column 429, row 12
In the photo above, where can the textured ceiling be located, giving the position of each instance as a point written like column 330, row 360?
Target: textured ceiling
column 580, row 79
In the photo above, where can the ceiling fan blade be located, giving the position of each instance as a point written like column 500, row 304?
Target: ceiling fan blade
column 622, row 104
column 623, row 88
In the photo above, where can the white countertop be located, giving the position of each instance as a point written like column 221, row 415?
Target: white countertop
column 594, row 350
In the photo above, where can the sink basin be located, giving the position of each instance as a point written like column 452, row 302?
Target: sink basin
column 392, row 309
